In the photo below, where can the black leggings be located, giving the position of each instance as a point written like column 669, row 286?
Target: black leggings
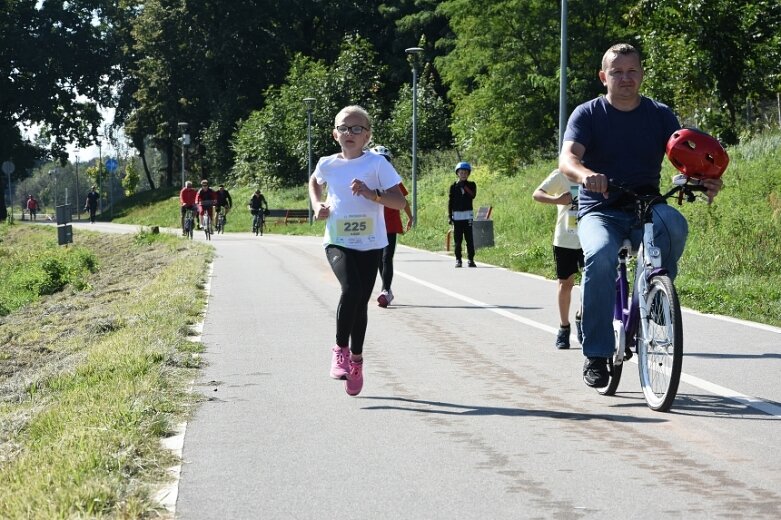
column 356, row 272
column 386, row 264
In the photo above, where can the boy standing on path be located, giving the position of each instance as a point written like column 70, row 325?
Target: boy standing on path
column 557, row 189
column 460, row 213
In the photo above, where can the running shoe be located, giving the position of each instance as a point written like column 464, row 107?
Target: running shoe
column 595, row 372
column 339, row 362
column 384, row 299
column 562, row 338
column 458, row 263
column 472, row 263
column 579, row 327
column 354, row 382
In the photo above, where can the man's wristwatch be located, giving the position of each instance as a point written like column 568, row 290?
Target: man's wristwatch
column 377, row 195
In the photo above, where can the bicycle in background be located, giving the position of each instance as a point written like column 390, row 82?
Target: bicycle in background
column 258, row 221
column 189, row 223
column 206, row 219
column 219, row 226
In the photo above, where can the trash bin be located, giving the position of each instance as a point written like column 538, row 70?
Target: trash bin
column 483, row 233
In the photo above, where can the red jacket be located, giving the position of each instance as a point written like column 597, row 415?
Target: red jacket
column 187, row 196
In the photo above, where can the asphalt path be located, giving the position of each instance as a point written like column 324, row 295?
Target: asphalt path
column 467, row 411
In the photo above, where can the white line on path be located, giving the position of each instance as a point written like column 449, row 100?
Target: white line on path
column 733, row 395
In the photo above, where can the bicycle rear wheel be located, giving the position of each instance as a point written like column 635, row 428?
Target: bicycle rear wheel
column 660, row 354
column 615, row 365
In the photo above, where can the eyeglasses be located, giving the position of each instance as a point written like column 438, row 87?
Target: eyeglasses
column 355, row 130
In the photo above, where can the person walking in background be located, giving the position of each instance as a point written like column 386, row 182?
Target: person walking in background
column 393, row 227
column 186, row 201
column 619, row 137
column 460, row 212
column 91, row 205
column 32, row 207
column 359, row 184
column 567, row 254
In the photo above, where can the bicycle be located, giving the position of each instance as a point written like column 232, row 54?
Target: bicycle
column 206, row 219
column 258, row 222
column 219, row 227
column 649, row 319
column 189, row 223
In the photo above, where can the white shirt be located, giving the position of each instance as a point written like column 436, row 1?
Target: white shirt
column 566, row 233
column 355, row 222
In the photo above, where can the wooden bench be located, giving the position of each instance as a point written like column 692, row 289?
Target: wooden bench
column 289, row 216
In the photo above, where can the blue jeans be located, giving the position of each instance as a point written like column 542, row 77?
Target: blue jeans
column 601, row 234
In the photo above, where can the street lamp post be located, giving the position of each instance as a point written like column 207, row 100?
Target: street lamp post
column 309, row 102
column 185, row 140
column 77, row 199
column 414, row 52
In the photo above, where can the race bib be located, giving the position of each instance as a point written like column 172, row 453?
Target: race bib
column 353, row 231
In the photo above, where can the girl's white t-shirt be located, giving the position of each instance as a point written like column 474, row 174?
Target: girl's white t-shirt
column 355, row 222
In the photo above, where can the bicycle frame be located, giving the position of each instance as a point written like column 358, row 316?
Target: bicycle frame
column 648, row 263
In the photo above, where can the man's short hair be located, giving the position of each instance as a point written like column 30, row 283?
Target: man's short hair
column 619, row 49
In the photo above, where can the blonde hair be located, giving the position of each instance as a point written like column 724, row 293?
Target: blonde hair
column 357, row 110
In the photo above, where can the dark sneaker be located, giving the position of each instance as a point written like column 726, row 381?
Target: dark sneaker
column 579, row 327
column 458, row 263
column 595, row 372
column 562, row 338
column 472, row 263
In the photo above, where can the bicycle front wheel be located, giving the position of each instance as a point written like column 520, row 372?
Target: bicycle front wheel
column 660, row 345
column 207, row 227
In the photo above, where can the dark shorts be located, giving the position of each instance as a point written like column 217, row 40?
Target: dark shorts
column 568, row 261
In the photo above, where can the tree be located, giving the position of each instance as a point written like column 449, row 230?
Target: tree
column 53, row 66
column 271, row 145
column 709, row 58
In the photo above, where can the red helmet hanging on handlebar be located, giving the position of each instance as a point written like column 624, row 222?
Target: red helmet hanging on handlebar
column 697, row 154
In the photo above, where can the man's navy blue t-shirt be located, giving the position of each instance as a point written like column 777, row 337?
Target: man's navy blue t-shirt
column 627, row 147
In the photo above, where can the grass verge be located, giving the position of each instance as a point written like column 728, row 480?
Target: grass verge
column 92, row 377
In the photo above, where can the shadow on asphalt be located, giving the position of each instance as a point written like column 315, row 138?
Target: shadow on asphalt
column 437, row 407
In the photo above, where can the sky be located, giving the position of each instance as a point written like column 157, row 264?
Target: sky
column 89, row 153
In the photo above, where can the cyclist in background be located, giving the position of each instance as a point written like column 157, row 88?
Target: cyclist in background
column 205, row 198
column 621, row 136
column 224, row 200
column 257, row 203
column 187, row 201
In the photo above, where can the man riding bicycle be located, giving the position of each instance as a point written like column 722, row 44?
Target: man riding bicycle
column 257, row 202
column 187, row 201
column 205, row 198
column 224, row 200
column 622, row 137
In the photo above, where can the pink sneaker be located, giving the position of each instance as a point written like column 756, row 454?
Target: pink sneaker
column 354, row 382
column 339, row 362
